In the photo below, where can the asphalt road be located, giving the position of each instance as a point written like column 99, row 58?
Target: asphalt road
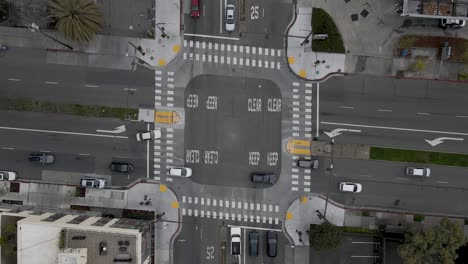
column 260, row 23
column 385, row 185
column 202, row 241
column 395, row 112
column 233, row 130
column 78, row 147
column 25, row 73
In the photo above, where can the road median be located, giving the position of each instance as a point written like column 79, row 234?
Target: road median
column 418, row 156
column 68, row 109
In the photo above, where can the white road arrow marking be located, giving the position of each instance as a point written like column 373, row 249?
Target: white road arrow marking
column 441, row 140
column 116, row 130
column 339, row 131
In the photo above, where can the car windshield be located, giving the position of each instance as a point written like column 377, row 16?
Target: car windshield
column 194, row 8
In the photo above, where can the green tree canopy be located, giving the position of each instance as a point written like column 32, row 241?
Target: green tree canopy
column 325, row 236
column 435, row 245
column 78, row 20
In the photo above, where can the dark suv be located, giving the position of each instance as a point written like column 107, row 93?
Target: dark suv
column 254, row 238
column 121, row 167
column 272, row 241
column 42, row 158
column 264, row 178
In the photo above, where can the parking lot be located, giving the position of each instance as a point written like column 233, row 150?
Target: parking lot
column 235, row 129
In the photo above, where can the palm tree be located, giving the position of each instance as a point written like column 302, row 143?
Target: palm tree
column 78, row 20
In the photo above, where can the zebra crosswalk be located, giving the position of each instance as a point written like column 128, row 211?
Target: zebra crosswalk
column 235, row 210
column 230, row 54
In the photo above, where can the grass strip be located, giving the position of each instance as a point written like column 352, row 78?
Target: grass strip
column 360, row 230
column 418, row 156
column 322, row 23
column 69, row 109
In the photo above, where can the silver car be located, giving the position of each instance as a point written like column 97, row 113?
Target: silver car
column 230, row 22
column 422, row 172
column 93, row 183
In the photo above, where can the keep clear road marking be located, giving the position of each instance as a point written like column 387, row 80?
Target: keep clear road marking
column 397, row 128
column 61, row 132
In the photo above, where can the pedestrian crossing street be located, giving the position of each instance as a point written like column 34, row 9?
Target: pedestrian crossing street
column 230, row 54
column 301, row 128
column 252, row 212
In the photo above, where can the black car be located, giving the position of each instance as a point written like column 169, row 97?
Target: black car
column 272, row 241
column 121, row 167
column 42, row 158
column 263, row 178
column 253, row 243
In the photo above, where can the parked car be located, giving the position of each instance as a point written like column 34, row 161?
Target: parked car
column 350, row 187
column 42, row 158
column 195, row 9
column 264, row 178
column 235, row 241
column 180, row 171
column 254, row 239
column 423, row 172
column 121, row 167
column 103, row 248
column 230, row 22
column 307, row 163
column 148, row 135
column 453, row 23
column 93, row 183
column 272, row 244
column 8, row 176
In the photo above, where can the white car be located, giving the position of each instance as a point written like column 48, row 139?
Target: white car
column 350, row 187
column 180, row 171
column 149, row 135
column 423, row 172
column 235, row 241
column 93, row 183
column 230, row 22
column 8, row 176
column 454, row 23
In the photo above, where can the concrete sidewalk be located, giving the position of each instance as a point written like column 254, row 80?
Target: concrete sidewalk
column 167, row 28
column 163, row 200
column 302, row 60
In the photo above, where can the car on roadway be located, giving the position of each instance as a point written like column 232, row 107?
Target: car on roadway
column 42, row 158
column 452, row 23
column 230, row 22
column 195, row 8
column 124, row 167
column 272, row 244
column 254, row 239
column 423, row 172
column 8, row 176
column 148, row 135
column 93, row 183
column 350, row 187
column 235, row 241
column 263, row 178
column 307, row 163
column 180, row 171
